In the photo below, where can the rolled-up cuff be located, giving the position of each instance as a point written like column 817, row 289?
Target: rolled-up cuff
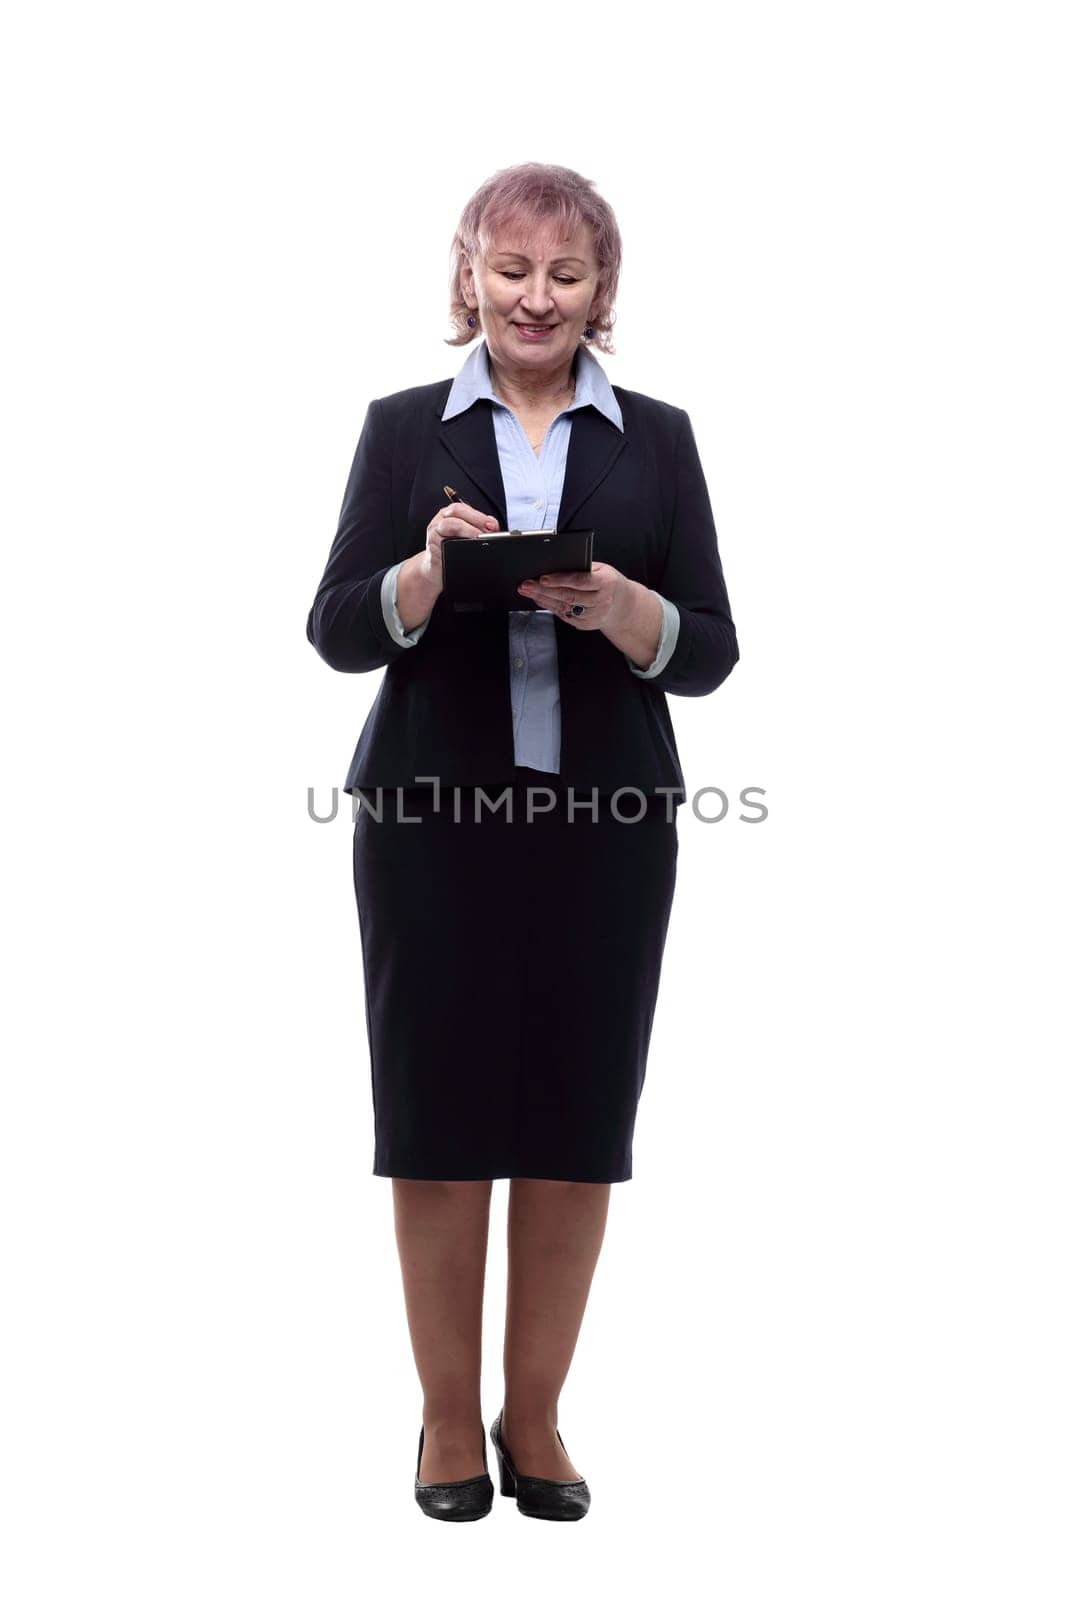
column 392, row 615
column 668, row 638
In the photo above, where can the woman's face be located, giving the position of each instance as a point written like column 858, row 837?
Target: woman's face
column 553, row 282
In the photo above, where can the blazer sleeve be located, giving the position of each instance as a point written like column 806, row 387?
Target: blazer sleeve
column 706, row 649
column 346, row 623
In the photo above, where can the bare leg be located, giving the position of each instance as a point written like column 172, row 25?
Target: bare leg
column 555, row 1231
column 441, row 1232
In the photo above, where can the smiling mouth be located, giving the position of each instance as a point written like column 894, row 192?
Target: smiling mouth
column 536, row 327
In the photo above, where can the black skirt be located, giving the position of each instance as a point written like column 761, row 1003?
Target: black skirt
column 511, row 970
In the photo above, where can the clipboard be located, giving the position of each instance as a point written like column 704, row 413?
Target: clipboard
column 483, row 574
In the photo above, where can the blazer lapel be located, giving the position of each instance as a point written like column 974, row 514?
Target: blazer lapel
column 595, row 445
column 470, row 438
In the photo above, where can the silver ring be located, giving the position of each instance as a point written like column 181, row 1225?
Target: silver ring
column 576, row 611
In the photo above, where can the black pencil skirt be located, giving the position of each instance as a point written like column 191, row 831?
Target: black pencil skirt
column 511, row 969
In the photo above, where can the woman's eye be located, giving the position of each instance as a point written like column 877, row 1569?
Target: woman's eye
column 521, row 275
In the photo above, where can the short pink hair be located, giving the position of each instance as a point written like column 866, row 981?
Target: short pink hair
column 516, row 199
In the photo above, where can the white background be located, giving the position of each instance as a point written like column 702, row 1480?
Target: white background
column 823, row 1353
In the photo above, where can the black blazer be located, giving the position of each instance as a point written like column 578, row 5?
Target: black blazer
column 444, row 706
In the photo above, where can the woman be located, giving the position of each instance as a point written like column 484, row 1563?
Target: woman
column 490, row 940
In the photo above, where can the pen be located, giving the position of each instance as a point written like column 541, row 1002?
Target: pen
column 456, row 500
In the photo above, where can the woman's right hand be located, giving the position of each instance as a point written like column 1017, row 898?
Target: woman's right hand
column 454, row 521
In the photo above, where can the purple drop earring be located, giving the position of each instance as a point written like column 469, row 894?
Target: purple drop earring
column 588, row 333
column 471, row 320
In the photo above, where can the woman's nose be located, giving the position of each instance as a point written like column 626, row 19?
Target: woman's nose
column 537, row 298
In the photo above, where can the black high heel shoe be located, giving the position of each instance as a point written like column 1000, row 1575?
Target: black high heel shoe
column 464, row 1500
column 555, row 1499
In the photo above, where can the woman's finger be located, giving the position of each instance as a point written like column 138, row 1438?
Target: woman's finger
column 452, row 527
column 458, row 512
column 560, row 594
column 560, row 603
column 573, row 580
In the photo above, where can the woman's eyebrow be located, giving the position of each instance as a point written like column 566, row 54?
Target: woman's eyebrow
column 516, row 255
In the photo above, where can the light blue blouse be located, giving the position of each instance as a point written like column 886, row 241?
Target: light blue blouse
column 533, row 485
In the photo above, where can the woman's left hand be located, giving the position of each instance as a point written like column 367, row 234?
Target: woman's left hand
column 604, row 592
